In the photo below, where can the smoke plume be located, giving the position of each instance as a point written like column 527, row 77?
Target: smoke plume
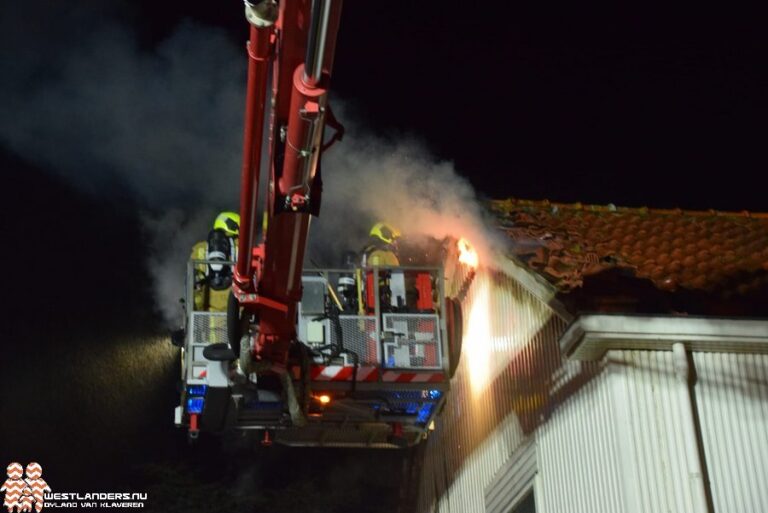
column 160, row 126
column 108, row 116
column 369, row 179
column 164, row 125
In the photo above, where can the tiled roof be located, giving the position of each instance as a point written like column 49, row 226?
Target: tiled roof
column 677, row 251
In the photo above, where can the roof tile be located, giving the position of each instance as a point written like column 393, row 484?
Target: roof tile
column 677, row 250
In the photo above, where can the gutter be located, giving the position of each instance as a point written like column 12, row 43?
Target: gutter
column 590, row 336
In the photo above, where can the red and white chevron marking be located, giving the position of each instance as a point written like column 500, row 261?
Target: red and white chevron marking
column 412, row 377
column 27, row 502
column 366, row 373
column 13, row 486
column 39, row 487
column 24, row 494
column 342, row 373
column 14, row 489
column 34, row 470
column 14, row 470
column 37, row 484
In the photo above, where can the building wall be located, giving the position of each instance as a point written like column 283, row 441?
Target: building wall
column 619, row 444
column 608, row 435
column 732, row 398
column 510, row 367
column 577, row 463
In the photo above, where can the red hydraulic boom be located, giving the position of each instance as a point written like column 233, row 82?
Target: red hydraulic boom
column 350, row 357
column 294, row 43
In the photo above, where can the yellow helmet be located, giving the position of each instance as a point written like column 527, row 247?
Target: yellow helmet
column 385, row 232
column 228, row 222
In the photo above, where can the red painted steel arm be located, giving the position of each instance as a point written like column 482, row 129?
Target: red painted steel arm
column 258, row 47
column 268, row 275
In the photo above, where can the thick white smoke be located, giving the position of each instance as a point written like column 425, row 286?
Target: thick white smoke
column 369, row 179
column 165, row 125
column 107, row 115
column 172, row 235
column 160, row 126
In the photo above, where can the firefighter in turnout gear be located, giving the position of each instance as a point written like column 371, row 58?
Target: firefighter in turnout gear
column 382, row 248
column 213, row 280
column 382, row 252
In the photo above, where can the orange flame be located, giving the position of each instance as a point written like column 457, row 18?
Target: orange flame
column 467, row 254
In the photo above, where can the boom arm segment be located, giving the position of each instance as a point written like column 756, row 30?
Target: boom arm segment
column 298, row 40
column 373, row 368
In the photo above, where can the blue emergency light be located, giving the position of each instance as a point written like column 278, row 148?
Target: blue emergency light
column 198, row 390
column 425, row 412
column 195, row 405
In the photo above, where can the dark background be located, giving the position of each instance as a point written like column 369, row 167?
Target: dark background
column 629, row 106
column 624, row 104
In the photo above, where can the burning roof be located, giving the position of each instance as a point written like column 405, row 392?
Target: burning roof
column 607, row 258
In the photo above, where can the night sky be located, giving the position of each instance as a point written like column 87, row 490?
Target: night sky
column 627, row 106
column 624, row 105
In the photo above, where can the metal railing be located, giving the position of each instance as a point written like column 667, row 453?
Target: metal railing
column 388, row 317
column 382, row 315
column 204, row 326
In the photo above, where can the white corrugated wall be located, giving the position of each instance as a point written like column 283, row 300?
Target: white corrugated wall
column 609, row 436
column 510, row 365
column 618, row 444
column 732, row 398
column 576, row 454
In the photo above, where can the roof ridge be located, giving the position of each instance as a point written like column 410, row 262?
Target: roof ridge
column 512, row 202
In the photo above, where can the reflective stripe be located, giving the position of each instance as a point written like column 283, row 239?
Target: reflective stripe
column 412, row 377
column 343, row 373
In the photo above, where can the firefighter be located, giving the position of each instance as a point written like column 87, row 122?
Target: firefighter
column 382, row 251
column 382, row 248
column 213, row 280
column 347, row 288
